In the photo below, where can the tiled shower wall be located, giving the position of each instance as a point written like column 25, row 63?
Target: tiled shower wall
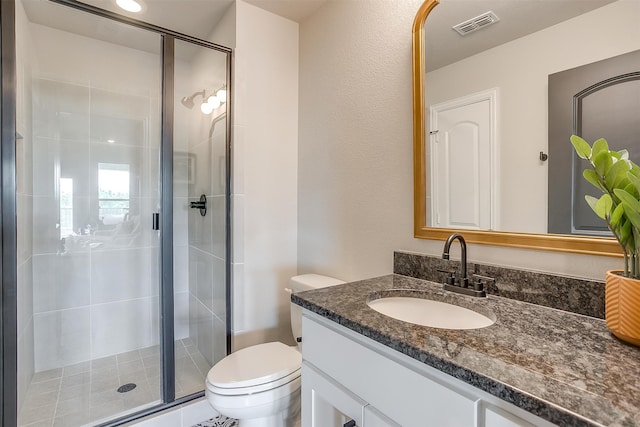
column 24, row 201
column 97, row 296
column 89, row 289
column 206, row 156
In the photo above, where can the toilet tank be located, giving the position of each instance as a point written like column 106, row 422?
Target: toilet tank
column 306, row 282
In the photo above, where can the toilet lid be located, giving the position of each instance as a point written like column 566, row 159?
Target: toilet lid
column 255, row 365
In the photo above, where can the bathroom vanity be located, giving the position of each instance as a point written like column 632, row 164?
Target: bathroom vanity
column 533, row 366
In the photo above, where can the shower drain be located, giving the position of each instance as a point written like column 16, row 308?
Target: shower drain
column 127, row 387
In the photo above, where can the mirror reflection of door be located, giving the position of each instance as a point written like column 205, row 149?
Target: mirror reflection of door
column 462, row 143
column 596, row 100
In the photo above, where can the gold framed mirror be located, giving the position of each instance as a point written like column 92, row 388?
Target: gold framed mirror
column 554, row 242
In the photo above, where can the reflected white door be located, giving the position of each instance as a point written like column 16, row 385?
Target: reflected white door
column 462, row 144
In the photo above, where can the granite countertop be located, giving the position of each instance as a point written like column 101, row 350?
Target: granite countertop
column 564, row 367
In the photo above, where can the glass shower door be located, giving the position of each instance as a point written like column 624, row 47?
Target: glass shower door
column 200, row 235
column 88, row 183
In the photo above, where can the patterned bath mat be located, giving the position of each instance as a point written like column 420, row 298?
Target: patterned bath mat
column 218, row 422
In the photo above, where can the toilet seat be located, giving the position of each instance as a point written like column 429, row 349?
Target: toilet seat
column 255, row 369
column 259, row 404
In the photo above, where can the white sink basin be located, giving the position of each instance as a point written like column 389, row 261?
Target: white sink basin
column 426, row 312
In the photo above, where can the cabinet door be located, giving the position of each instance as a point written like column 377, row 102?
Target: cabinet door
column 326, row 403
column 374, row 418
column 497, row 417
column 410, row 398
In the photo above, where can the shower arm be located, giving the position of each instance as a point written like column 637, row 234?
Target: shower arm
column 214, row 121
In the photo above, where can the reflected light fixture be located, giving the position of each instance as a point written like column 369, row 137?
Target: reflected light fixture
column 214, row 101
column 221, row 94
column 209, row 104
column 134, row 6
column 206, row 108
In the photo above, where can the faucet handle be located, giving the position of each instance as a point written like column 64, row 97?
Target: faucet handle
column 451, row 276
column 480, row 281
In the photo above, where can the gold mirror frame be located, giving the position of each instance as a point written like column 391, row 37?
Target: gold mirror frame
column 552, row 242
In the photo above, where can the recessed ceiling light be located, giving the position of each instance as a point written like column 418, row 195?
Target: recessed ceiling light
column 134, row 6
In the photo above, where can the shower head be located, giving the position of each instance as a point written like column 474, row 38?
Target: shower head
column 187, row 101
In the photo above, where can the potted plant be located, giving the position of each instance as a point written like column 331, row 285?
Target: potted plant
column 618, row 178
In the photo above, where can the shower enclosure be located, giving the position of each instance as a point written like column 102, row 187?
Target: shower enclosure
column 115, row 292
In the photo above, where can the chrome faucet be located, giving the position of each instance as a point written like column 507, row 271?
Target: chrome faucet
column 462, row 287
column 464, row 280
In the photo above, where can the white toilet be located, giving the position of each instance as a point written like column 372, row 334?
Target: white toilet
column 260, row 385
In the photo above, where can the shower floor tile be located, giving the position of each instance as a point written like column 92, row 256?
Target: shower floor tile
column 86, row 392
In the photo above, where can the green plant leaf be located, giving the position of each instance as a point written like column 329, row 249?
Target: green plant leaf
column 633, row 179
column 592, row 177
column 600, row 206
column 616, row 216
column 602, row 162
column 631, row 206
column 627, row 198
column 625, row 234
column 604, row 205
column 600, row 146
column 632, row 214
column 582, row 147
column 630, row 188
column 624, row 154
column 616, row 174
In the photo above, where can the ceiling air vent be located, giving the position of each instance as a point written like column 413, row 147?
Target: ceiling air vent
column 476, row 23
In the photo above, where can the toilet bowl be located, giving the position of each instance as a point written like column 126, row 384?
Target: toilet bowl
column 260, row 385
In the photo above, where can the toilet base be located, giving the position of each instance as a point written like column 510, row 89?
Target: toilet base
column 283, row 412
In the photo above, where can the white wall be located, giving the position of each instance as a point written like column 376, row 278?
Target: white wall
column 265, row 138
column 224, row 32
column 355, row 195
column 522, row 80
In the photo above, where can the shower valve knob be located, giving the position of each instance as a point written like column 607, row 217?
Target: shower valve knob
column 200, row 204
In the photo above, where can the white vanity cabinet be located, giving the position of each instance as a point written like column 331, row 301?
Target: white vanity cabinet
column 350, row 380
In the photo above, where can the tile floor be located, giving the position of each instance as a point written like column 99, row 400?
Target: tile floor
column 218, row 422
column 84, row 393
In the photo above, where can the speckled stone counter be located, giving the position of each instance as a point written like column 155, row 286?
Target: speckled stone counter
column 564, row 293
column 566, row 368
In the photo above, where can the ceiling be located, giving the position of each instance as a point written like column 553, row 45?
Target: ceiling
column 517, row 19
column 443, row 45
column 295, row 10
column 198, row 17
column 192, row 17
column 195, row 18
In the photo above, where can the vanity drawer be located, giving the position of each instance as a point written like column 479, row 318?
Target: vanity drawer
column 408, row 397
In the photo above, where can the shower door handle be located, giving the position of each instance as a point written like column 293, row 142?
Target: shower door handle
column 155, row 221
